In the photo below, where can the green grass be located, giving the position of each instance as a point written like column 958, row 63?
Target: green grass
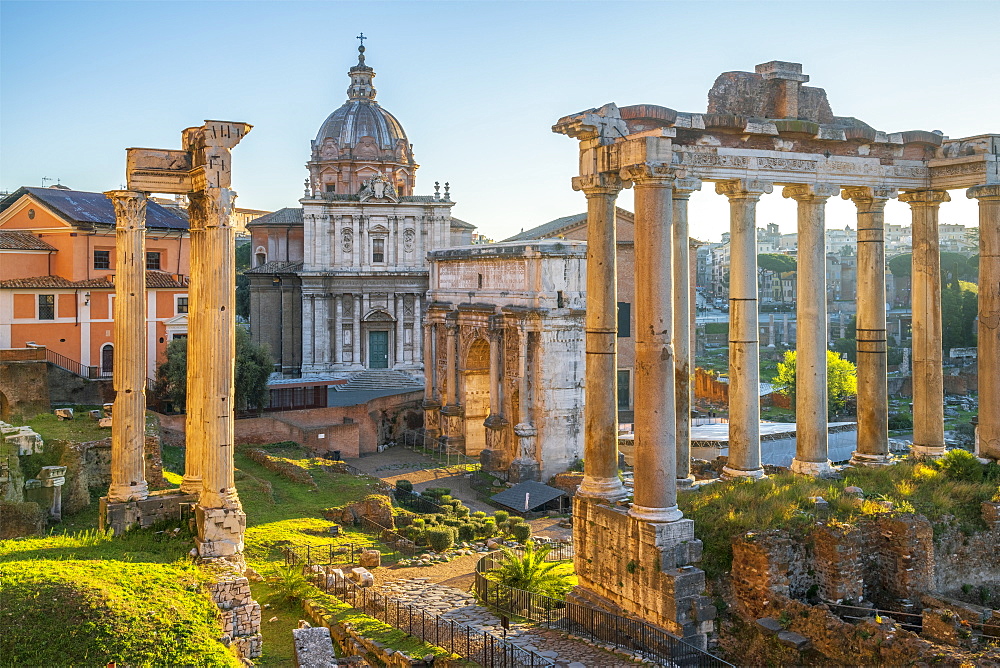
column 724, row 510
column 278, row 644
column 73, row 612
column 80, row 429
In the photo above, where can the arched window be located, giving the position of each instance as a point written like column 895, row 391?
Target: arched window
column 107, row 359
column 261, row 256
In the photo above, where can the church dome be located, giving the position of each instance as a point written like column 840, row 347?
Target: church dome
column 359, row 118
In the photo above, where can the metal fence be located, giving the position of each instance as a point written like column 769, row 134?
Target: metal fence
column 321, row 555
column 74, row 367
column 912, row 621
column 470, row 643
column 649, row 642
column 390, row 538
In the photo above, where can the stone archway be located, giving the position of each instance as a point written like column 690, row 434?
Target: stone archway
column 476, row 399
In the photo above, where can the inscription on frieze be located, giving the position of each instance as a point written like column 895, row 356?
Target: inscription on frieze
column 492, row 275
column 962, row 169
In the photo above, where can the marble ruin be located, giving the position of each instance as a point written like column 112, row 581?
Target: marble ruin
column 762, row 129
column 504, row 372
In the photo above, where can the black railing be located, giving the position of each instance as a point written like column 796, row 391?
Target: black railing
column 390, row 538
column 321, row 555
column 912, row 621
column 470, row 643
column 74, row 367
column 649, row 642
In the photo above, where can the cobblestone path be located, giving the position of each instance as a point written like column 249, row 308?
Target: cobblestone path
column 459, row 606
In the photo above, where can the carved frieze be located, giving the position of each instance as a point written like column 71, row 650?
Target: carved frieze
column 409, row 238
column 347, row 240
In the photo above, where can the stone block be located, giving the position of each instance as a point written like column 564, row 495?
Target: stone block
column 222, row 529
column 64, row 413
column 685, row 582
column 370, row 559
column 313, row 648
column 991, row 513
column 95, row 415
column 362, row 577
column 702, row 609
column 770, row 625
column 794, row 640
column 104, row 423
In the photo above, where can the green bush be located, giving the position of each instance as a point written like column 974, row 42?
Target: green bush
column 900, row 421
column 446, row 499
column 479, row 515
column 501, row 516
column 962, row 465
column 436, row 492
column 520, row 532
column 452, row 522
column 404, row 485
column 440, row 538
column 486, row 529
column 419, row 523
column 467, row 531
column 461, row 511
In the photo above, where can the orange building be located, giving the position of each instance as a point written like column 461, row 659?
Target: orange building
column 57, row 265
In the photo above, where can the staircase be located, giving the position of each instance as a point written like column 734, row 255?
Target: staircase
column 380, row 379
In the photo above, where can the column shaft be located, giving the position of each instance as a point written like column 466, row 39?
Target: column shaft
column 744, row 346
column 873, row 391
column 496, row 360
column 683, row 316
column 989, row 319
column 194, row 437
column 416, row 354
column 356, row 343
column 601, row 374
column 451, row 379
column 338, row 329
column 811, row 436
column 399, row 332
column 128, row 425
column 655, row 371
column 928, row 377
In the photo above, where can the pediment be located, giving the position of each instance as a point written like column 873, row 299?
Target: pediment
column 379, row 316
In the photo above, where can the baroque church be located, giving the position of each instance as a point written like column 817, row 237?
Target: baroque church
column 338, row 284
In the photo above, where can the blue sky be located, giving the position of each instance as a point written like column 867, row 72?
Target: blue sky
column 476, row 85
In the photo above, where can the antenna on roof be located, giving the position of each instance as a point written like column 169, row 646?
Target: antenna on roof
column 45, row 178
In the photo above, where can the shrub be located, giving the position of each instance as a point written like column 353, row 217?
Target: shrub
column 446, row 499
column 440, row 538
column 467, row 531
column 900, row 421
column 520, row 532
column 404, row 485
column 963, row 466
column 486, row 529
column 420, row 523
column 501, row 516
column 452, row 522
column 479, row 515
column 530, row 572
column 436, row 492
column 461, row 511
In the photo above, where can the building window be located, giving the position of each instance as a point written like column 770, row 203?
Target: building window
column 182, row 305
column 46, row 307
column 624, row 320
column 624, row 390
column 102, row 259
column 176, row 337
column 107, row 359
column 153, row 261
column 261, row 259
column 378, row 250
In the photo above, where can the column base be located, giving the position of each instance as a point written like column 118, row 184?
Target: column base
column 610, row 489
column 738, row 474
column 191, row 485
column 220, row 532
column 811, row 468
column 863, row 459
column 658, row 515
column 929, row 451
column 125, row 493
column 685, row 483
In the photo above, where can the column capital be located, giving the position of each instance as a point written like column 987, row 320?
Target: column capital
column 988, row 192
column 807, row 192
column 130, row 208
column 600, row 184
column 649, row 173
column 920, row 198
column 684, row 186
column 743, row 188
column 868, row 197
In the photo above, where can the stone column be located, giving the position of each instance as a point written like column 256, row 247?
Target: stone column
column 356, row 342
column 811, row 436
column 128, row 426
column 655, row 369
column 744, row 346
column 417, row 351
column 989, row 319
column 211, row 353
column 684, row 313
column 338, row 329
column 194, row 437
column 451, row 357
column 452, row 413
column 928, row 377
column 873, row 400
column 398, row 362
column 600, row 478
column 431, row 404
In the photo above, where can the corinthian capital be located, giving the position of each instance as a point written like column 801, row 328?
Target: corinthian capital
column 921, row 198
column 867, row 197
column 130, row 208
column 989, row 192
column 743, row 188
column 602, row 183
column 211, row 207
column 810, row 191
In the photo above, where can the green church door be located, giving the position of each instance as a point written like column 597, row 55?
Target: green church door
column 378, row 350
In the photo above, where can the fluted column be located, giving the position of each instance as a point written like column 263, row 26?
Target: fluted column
column 683, row 317
column 128, row 425
column 873, row 390
column 356, row 342
column 398, row 362
column 989, row 319
column 928, row 376
column 600, row 476
column 744, row 346
column 811, row 435
column 655, row 497
column 194, row 437
column 338, row 328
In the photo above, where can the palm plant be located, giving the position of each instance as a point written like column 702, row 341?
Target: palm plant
column 530, row 572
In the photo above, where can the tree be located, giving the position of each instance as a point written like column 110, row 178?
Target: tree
column 530, row 572
column 841, row 379
column 242, row 282
column 777, row 264
column 959, row 308
column 253, row 367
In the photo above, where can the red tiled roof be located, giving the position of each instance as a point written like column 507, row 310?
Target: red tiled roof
column 154, row 279
column 13, row 240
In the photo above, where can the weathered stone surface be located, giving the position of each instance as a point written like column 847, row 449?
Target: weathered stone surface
column 375, row 507
column 794, row 640
column 770, row 625
column 314, row 648
column 370, row 559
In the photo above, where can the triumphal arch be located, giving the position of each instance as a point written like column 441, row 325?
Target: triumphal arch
column 762, row 130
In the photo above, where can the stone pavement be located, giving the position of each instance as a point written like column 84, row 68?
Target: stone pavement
column 459, row 606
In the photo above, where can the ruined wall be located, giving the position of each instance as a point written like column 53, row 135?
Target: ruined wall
column 240, row 614
column 24, row 389
column 969, row 560
column 66, row 388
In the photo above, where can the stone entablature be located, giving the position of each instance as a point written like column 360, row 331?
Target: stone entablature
column 505, row 379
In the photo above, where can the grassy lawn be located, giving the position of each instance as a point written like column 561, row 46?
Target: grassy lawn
column 278, row 646
column 723, row 510
column 80, row 429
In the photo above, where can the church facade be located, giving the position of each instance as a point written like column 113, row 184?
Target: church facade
column 339, row 284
